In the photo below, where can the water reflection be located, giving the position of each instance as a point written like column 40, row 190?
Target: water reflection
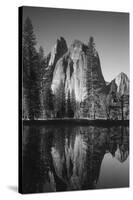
column 74, row 158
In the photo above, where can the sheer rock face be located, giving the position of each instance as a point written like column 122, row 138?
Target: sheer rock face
column 118, row 96
column 122, row 84
column 71, row 69
column 83, row 81
column 51, row 59
column 119, row 85
column 57, row 51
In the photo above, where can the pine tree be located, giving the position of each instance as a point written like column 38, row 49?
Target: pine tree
column 59, row 101
column 90, row 85
column 31, row 71
column 42, row 66
column 48, row 102
column 41, row 54
column 90, row 63
column 73, row 102
column 69, row 111
column 122, row 101
column 29, row 51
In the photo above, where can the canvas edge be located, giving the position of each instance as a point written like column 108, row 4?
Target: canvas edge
column 20, row 22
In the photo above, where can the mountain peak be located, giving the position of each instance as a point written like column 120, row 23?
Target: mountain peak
column 58, row 50
column 60, row 39
column 122, row 82
column 122, row 75
column 76, row 43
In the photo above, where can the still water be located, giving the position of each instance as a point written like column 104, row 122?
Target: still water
column 62, row 158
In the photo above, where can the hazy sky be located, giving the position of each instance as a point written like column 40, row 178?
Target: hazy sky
column 110, row 31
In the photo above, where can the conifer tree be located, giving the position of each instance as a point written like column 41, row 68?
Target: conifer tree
column 69, row 111
column 31, row 71
column 90, row 85
column 73, row 102
column 59, row 101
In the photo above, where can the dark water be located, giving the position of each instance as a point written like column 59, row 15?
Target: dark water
column 62, row 158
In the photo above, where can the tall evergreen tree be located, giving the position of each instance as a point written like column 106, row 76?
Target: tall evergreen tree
column 31, row 71
column 59, row 103
column 73, row 102
column 41, row 54
column 69, row 110
column 42, row 66
column 48, row 102
column 90, row 85
column 90, row 63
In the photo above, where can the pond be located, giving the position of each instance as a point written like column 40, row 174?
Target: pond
column 75, row 157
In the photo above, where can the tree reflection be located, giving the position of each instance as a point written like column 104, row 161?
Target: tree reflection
column 69, row 158
column 118, row 143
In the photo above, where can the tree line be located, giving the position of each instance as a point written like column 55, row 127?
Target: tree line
column 38, row 99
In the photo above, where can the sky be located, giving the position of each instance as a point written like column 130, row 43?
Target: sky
column 109, row 29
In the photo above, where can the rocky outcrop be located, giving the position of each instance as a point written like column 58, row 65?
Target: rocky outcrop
column 71, row 69
column 121, row 83
column 78, row 86
column 51, row 59
column 57, row 51
column 117, row 94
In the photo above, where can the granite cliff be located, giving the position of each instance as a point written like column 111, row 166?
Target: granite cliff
column 71, row 69
column 78, row 86
column 117, row 95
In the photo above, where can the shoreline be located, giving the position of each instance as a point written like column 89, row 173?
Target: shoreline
column 82, row 122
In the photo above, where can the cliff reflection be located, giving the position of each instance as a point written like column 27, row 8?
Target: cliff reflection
column 69, row 158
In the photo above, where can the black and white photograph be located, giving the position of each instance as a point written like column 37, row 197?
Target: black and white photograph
column 74, row 100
